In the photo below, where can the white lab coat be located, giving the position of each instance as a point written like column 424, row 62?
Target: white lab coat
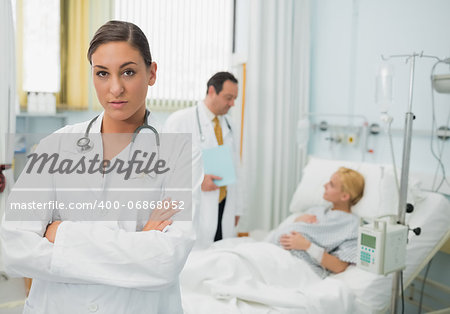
column 185, row 121
column 97, row 266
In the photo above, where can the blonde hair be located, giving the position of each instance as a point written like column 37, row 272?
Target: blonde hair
column 352, row 183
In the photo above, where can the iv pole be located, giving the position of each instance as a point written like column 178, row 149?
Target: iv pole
column 405, row 163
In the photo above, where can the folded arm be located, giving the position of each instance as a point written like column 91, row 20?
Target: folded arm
column 333, row 263
column 95, row 253
column 296, row 241
column 92, row 252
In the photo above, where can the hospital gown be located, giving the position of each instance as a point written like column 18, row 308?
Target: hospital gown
column 335, row 231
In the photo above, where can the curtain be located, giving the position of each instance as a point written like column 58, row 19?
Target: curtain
column 7, row 99
column 277, row 97
column 22, row 95
column 80, row 19
column 7, row 84
column 74, row 44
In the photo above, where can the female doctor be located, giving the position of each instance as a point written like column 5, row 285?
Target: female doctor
column 102, row 266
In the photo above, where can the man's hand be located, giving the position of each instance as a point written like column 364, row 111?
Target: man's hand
column 294, row 241
column 50, row 233
column 208, row 183
column 236, row 220
column 160, row 217
column 309, row 219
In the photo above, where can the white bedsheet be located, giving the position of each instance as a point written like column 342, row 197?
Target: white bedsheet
column 245, row 276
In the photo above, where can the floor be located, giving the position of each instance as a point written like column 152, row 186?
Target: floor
column 11, row 290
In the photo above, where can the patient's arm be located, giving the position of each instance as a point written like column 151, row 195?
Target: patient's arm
column 310, row 219
column 296, row 241
column 333, row 264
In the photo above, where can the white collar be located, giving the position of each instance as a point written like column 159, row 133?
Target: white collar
column 97, row 125
column 209, row 114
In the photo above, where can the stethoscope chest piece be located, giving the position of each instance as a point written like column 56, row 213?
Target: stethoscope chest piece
column 84, row 144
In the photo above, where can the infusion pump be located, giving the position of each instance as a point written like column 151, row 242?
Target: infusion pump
column 382, row 247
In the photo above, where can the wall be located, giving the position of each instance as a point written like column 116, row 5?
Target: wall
column 348, row 38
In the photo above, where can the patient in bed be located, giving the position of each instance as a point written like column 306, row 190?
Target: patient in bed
column 326, row 236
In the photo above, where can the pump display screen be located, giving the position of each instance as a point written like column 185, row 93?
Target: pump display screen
column 368, row 240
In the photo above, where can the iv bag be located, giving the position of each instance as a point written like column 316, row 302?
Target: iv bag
column 383, row 87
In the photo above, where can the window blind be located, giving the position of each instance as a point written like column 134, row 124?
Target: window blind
column 190, row 40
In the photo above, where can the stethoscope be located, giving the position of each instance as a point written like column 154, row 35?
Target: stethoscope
column 202, row 136
column 84, row 144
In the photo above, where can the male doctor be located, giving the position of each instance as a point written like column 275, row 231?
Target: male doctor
column 210, row 126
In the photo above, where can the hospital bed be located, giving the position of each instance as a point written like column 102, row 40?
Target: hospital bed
column 242, row 275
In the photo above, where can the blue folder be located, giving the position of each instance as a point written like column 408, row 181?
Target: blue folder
column 218, row 161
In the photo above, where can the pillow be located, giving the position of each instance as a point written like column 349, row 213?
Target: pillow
column 380, row 191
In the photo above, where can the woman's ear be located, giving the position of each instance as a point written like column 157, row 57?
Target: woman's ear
column 152, row 77
column 345, row 197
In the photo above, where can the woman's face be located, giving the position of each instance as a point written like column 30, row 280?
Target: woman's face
column 121, row 79
column 333, row 190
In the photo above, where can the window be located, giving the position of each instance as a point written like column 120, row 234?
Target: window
column 41, row 53
column 190, row 40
